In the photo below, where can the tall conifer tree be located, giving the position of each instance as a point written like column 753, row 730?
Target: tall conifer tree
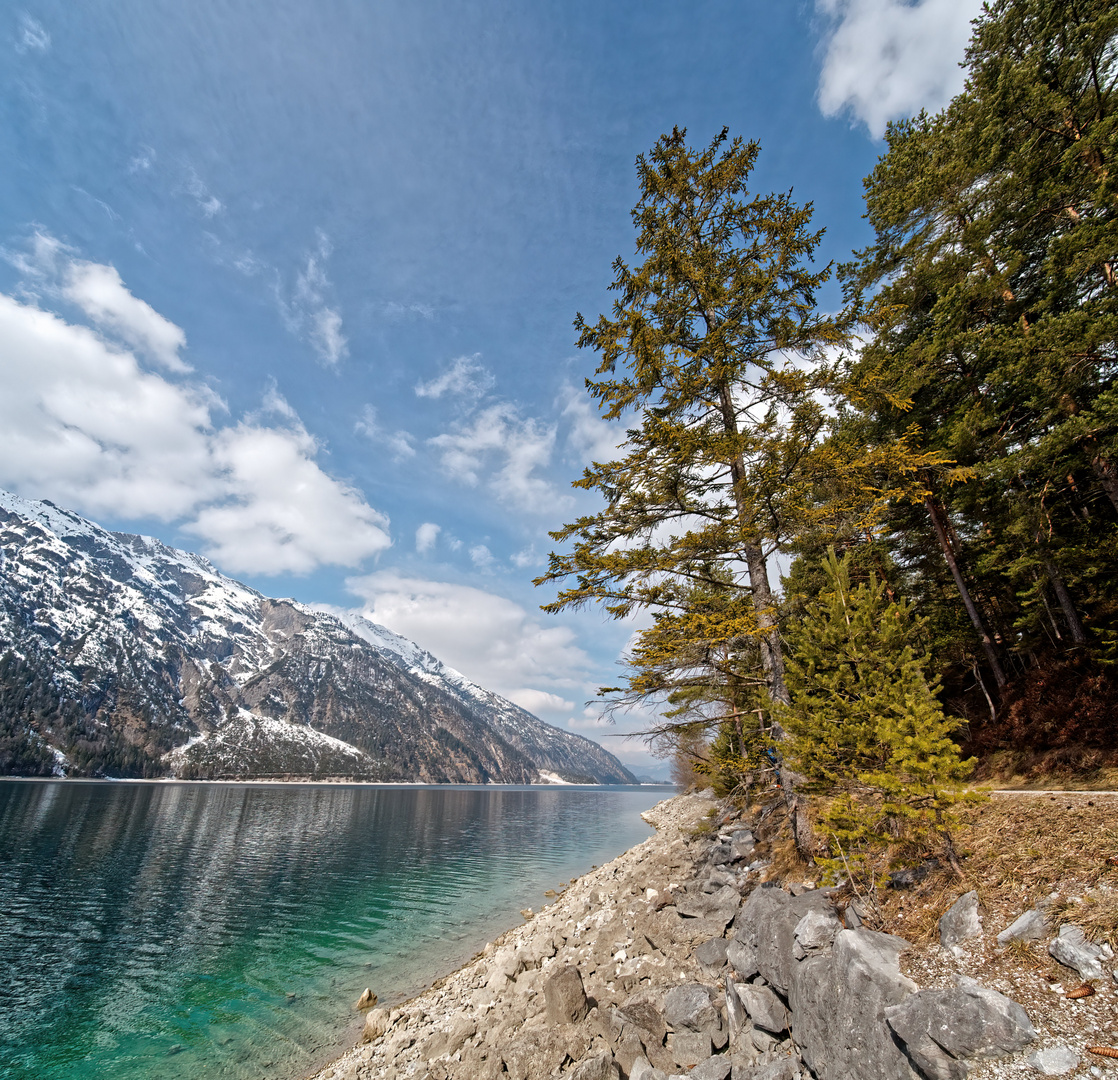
column 713, row 353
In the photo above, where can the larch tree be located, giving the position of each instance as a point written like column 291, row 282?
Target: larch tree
column 714, row 355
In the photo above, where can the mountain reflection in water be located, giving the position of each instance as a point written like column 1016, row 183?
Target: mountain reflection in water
column 179, row 930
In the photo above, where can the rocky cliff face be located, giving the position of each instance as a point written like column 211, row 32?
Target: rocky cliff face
column 121, row 656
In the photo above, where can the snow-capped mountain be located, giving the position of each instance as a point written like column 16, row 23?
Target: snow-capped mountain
column 121, row 656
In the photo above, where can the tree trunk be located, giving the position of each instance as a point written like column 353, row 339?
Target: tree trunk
column 976, row 619
column 772, row 650
column 1078, row 634
column 1108, row 476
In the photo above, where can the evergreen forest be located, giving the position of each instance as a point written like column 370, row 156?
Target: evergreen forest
column 873, row 550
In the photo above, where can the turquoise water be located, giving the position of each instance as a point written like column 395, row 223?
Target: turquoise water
column 185, row 930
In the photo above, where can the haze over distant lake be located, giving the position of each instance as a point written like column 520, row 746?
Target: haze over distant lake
column 181, row 930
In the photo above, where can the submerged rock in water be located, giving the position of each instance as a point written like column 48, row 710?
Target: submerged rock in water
column 366, row 1001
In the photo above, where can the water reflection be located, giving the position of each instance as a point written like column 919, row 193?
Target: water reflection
column 169, row 930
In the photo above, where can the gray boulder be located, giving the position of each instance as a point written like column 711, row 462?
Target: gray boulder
column 1072, row 949
column 711, row 955
column 736, row 1015
column 642, row 1070
column 838, row 1002
column 815, row 931
column 1031, row 926
column 714, row 1068
column 960, row 922
column 598, row 1067
column 717, row 907
column 765, row 1009
column 721, row 853
column 448, row 1041
column 565, row 997
column 742, row 844
column 1054, row 1061
column 642, row 1012
column 767, row 923
column 941, row 1029
column 689, row 1048
column 785, row 1068
column 742, row 958
column 688, row 1007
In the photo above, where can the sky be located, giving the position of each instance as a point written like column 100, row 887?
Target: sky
column 293, row 284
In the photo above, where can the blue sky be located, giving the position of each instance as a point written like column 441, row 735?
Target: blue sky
column 292, row 284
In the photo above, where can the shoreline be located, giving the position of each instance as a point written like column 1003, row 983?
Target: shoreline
column 458, row 1022
column 170, row 780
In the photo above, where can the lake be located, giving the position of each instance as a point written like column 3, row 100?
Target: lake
column 186, row 930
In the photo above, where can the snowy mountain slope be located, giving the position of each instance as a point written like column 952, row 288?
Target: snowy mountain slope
column 122, row 656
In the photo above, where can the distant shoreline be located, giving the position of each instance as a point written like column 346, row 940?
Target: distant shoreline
column 167, row 780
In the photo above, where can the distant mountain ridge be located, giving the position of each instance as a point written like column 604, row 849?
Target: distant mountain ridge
column 121, row 656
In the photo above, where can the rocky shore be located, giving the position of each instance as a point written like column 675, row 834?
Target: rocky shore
column 678, row 959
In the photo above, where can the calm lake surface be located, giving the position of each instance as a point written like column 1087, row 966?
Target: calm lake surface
column 184, row 930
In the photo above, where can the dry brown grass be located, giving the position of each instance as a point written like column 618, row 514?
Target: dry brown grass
column 1096, row 912
column 1017, row 850
column 1069, row 768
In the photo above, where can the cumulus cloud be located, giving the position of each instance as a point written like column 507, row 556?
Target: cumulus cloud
column 465, row 377
column 282, row 513
column 507, row 450
column 52, row 268
column 308, row 312
column 83, row 422
column 489, row 638
column 32, row 36
column 884, row 59
column 425, row 537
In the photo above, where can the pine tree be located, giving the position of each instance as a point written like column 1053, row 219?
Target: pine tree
column 721, row 348
column 992, row 310
column 867, row 731
column 714, row 354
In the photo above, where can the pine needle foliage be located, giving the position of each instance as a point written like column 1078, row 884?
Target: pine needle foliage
column 867, row 731
column 714, row 353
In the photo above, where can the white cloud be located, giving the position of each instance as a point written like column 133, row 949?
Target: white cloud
column 210, row 205
column 53, row 268
column 84, row 423
column 98, row 290
column 284, row 514
column 508, row 450
column 489, row 638
column 538, row 701
column 33, row 36
column 481, row 556
column 399, row 443
column 309, row 314
column 464, row 378
column 589, row 437
column 526, row 557
column 425, row 537
column 885, row 59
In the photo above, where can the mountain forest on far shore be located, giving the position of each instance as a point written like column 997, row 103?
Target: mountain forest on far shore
column 933, row 469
